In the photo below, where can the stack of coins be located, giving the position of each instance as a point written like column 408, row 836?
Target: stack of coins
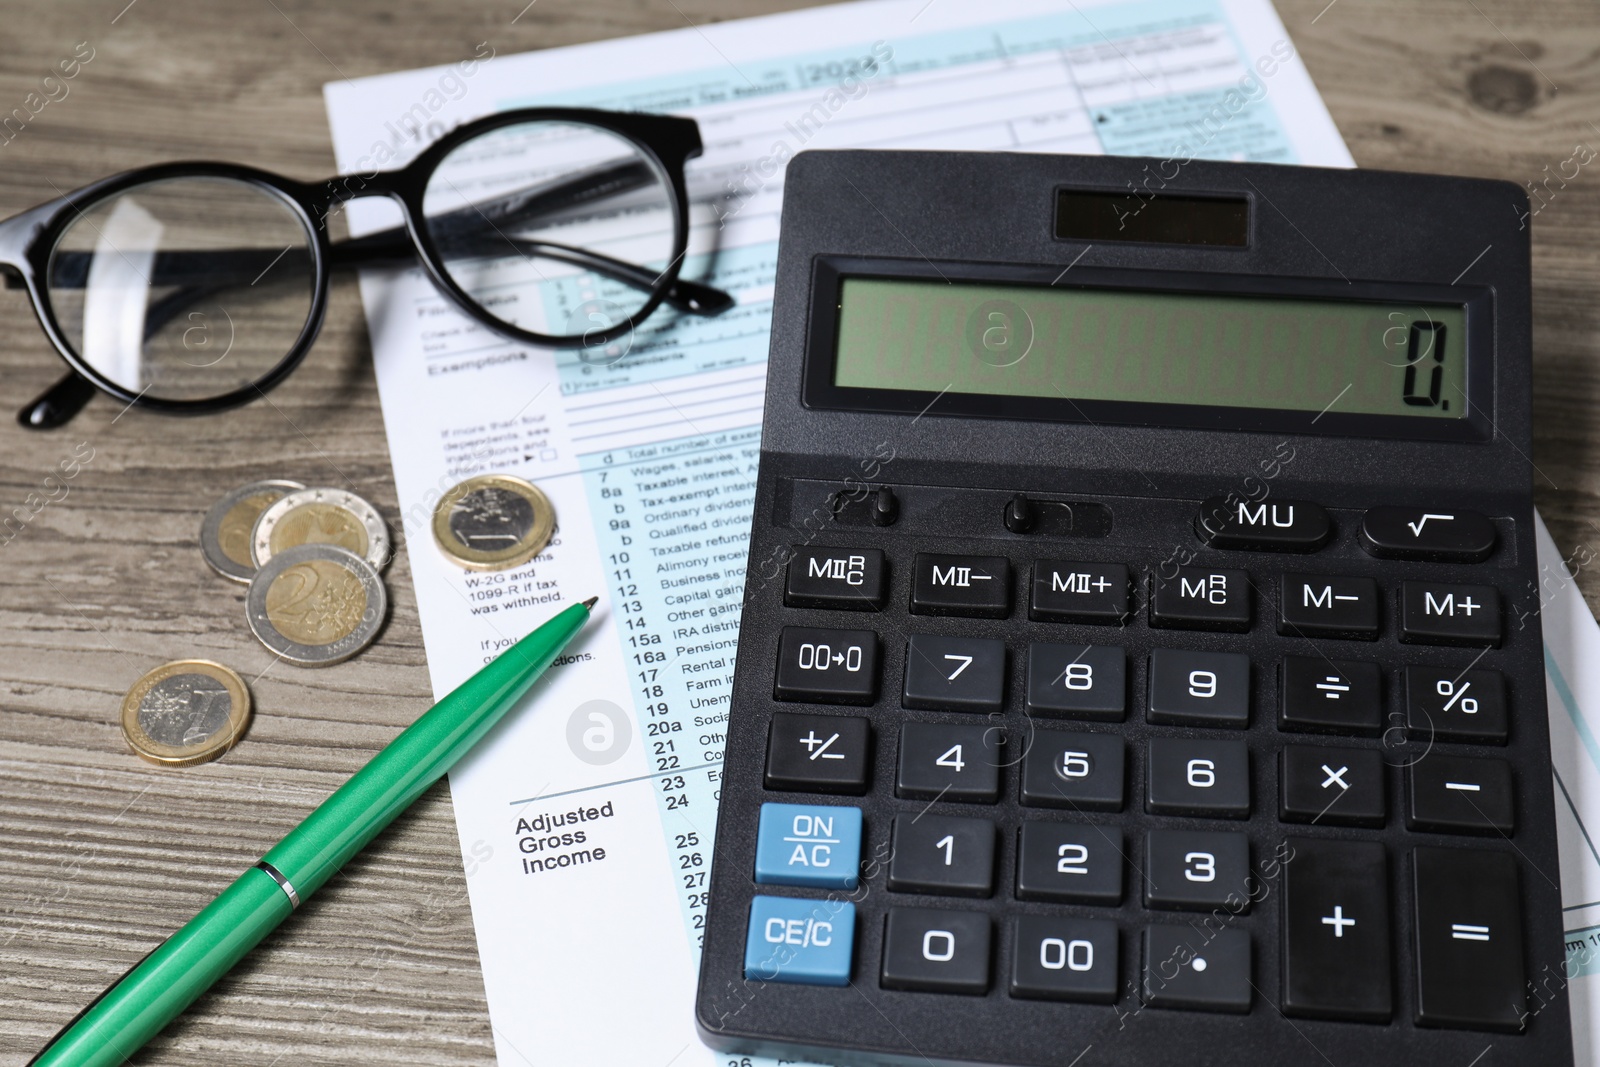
column 312, row 557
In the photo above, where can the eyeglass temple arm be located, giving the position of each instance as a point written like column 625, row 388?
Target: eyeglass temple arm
column 394, row 246
column 201, row 273
column 66, row 399
column 59, row 404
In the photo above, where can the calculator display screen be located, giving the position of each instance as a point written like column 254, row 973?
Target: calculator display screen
column 1284, row 353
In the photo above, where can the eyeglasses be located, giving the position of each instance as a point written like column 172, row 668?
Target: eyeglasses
column 193, row 287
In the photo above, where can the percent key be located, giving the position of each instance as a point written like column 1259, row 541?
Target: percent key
column 1456, row 704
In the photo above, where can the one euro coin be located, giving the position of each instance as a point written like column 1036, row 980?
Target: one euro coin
column 493, row 522
column 186, row 712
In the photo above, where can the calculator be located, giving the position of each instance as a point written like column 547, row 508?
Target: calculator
column 1140, row 660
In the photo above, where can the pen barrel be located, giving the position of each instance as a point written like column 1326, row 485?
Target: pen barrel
column 375, row 795
column 168, row 980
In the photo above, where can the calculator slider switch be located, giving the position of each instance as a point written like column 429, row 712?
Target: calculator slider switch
column 1021, row 516
column 885, row 506
column 1421, row 533
column 1267, row 525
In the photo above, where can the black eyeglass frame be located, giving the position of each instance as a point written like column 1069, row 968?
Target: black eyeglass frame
column 28, row 243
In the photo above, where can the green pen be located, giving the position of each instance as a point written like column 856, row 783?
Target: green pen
column 167, row 981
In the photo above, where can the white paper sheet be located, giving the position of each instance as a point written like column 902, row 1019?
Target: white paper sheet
column 651, row 462
column 1572, row 688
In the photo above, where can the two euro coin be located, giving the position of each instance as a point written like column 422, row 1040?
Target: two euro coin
column 316, row 604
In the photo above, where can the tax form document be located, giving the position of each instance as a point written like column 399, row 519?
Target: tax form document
column 586, row 824
column 1572, row 691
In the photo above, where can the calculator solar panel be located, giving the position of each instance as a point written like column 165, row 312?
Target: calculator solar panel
column 1140, row 660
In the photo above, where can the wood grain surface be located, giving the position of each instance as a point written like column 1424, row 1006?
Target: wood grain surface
column 102, row 855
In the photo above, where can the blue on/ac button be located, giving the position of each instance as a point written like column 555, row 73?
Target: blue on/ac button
column 816, row 845
column 806, row 942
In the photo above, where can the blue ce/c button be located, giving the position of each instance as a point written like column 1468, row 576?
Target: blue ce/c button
column 817, row 845
column 806, row 942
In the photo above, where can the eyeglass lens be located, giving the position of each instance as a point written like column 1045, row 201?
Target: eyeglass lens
column 558, row 228
column 184, row 289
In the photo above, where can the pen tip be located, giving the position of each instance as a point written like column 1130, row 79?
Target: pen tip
column 591, row 602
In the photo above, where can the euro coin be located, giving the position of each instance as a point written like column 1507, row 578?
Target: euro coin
column 185, row 712
column 321, row 516
column 316, row 604
column 493, row 522
column 225, row 534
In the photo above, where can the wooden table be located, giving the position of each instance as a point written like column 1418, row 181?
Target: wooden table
column 101, row 855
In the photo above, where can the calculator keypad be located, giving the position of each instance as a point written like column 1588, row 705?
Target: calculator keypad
column 1441, row 535
column 1025, row 794
column 1197, row 870
column 1066, row 591
column 1462, row 795
column 1187, row 967
column 799, row 940
column 854, row 579
column 975, row 586
column 1199, row 688
column 1336, row 950
column 1468, row 926
column 1064, row 959
column 1070, row 862
column 1331, row 786
column 809, row 845
column 1315, row 605
column 1080, row 771
column 1449, row 704
column 1438, row 614
column 1268, row 526
column 817, row 753
column 1338, row 696
column 827, row 666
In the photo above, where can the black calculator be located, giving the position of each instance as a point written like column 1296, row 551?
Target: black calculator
column 1140, row 660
